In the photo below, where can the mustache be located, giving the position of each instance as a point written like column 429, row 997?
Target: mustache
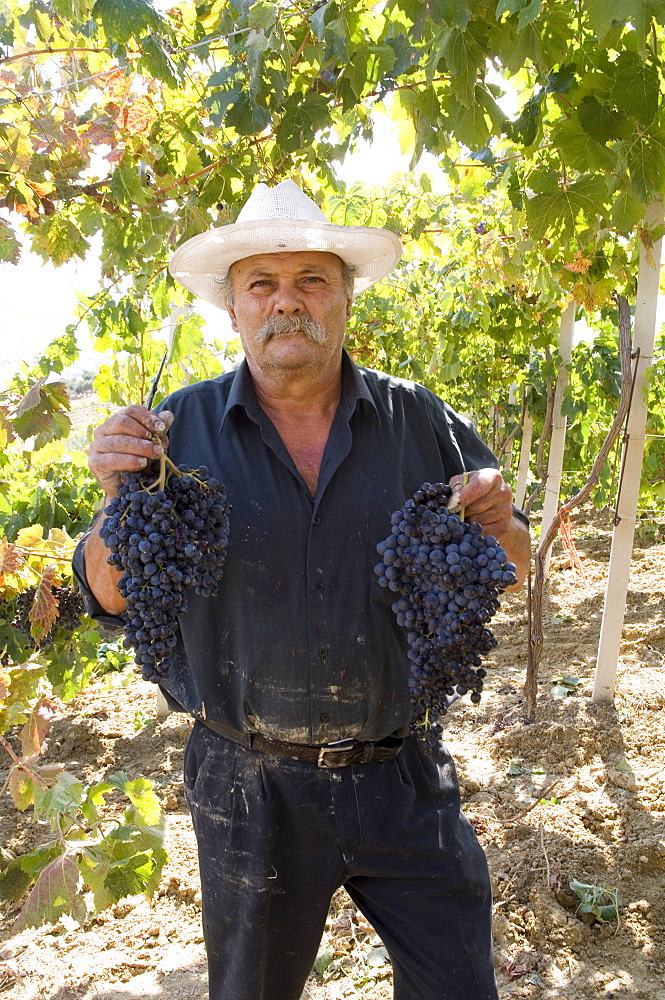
column 303, row 323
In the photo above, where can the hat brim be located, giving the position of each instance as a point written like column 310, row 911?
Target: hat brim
column 202, row 263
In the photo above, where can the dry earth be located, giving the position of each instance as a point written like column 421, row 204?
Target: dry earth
column 577, row 794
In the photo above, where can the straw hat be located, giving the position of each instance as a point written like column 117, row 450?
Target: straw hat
column 281, row 220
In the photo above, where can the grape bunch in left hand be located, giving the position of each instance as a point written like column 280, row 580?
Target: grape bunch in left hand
column 447, row 578
column 167, row 534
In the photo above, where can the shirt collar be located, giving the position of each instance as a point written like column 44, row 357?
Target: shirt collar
column 242, row 392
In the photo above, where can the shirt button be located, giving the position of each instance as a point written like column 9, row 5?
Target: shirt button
column 323, row 652
column 320, row 585
column 316, row 519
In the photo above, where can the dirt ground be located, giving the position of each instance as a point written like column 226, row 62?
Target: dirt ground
column 577, row 794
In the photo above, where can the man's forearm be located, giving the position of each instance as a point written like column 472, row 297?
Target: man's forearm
column 102, row 578
column 516, row 541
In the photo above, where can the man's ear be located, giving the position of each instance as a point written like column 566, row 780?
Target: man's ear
column 349, row 307
column 234, row 323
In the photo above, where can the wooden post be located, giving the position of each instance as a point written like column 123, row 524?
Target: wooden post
column 633, row 451
column 525, row 455
column 558, row 437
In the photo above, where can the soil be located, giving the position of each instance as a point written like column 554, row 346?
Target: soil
column 576, row 794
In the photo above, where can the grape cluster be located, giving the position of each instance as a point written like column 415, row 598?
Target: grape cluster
column 166, row 541
column 447, row 578
column 70, row 610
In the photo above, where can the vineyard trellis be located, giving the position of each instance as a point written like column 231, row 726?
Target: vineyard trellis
column 140, row 128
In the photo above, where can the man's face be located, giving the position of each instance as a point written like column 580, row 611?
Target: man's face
column 290, row 309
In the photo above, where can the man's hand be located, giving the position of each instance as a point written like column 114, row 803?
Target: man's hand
column 126, row 443
column 487, row 499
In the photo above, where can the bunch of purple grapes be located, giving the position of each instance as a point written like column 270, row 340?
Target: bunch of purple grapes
column 447, row 578
column 166, row 541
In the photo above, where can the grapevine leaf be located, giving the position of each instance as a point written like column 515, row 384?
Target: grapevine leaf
column 463, row 56
column 603, row 15
column 262, row 15
column 36, row 729
column 635, row 88
column 579, row 149
column 64, row 797
column 14, row 881
column 21, row 787
column 157, row 61
column 129, row 876
column 122, row 19
column 529, row 13
column 10, row 248
column 55, row 892
column 646, row 165
column 141, row 794
column 44, row 609
column 11, row 558
column 42, row 413
column 558, row 210
column 58, row 239
column 601, row 121
column 5, row 684
column 470, row 124
column 627, row 212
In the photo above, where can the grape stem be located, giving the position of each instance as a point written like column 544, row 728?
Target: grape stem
column 465, row 479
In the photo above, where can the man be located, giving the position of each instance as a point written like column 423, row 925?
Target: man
column 299, row 772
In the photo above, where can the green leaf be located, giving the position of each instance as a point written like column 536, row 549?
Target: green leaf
column 14, row 881
column 603, row 15
column 10, row 248
column 579, row 149
column 560, row 81
column 41, row 413
column 262, row 15
column 601, row 121
column 645, row 162
column 245, row 115
column 58, row 239
column 377, row 957
column 302, row 119
column 463, row 57
column 129, row 876
column 124, row 19
column 557, row 212
column 451, row 12
column 529, row 14
column 469, row 125
column 525, row 128
column 635, row 88
column 157, row 61
column 55, row 892
column 323, row 960
column 141, row 794
column 627, row 212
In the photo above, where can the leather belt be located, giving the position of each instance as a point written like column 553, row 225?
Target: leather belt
column 325, row 756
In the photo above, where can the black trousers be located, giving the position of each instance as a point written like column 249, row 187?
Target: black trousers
column 276, row 838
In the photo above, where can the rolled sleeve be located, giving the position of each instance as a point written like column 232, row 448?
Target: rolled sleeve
column 112, row 623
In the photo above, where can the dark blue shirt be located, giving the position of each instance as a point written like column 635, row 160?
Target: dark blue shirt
column 301, row 643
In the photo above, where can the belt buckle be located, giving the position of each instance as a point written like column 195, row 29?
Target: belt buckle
column 323, row 752
column 342, row 747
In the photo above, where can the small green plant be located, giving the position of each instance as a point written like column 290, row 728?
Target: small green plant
column 599, row 902
column 112, row 657
column 563, row 686
column 141, row 720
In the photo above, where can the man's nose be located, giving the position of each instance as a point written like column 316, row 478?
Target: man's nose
column 288, row 301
